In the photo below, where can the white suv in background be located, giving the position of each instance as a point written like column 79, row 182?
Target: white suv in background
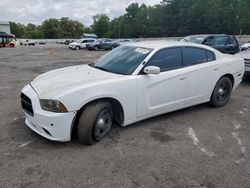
column 81, row 43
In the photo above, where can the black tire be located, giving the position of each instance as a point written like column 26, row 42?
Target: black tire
column 77, row 48
column 89, row 129
column 222, row 92
column 112, row 47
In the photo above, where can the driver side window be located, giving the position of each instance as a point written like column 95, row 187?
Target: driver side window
column 167, row 59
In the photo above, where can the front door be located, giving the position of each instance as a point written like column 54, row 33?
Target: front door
column 166, row 91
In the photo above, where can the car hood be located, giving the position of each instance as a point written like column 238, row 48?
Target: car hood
column 74, row 43
column 56, row 83
column 244, row 54
column 245, row 45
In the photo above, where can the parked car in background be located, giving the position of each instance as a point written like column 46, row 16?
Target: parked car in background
column 131, row 83
column 27, row 42
column 120, row 42
column 244, row 47
column 60, row 42
column 246, row 56
column 224, row 43
column 67, row 42
column 106, row 44
column 8, row 40
column 42, row 42
column 80, row 44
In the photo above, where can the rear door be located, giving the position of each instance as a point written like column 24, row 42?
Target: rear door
column 204, row 72
column 217, row 42
column 232, row 45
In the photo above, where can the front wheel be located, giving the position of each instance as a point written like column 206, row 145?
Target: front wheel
column 222, row 92
column 95, row 122
column 77, row 48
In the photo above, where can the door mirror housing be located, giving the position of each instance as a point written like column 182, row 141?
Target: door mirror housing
column 152, row 70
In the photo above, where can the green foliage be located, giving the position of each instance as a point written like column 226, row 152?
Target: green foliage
column 169, row 18
column 51, row 28
column 101, row 25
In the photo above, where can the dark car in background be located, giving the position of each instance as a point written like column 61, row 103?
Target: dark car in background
column 106, row 44
column 223, row 43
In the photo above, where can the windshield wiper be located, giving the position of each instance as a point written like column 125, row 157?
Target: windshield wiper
column 101, row 68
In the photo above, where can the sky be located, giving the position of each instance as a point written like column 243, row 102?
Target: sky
column 36, row 11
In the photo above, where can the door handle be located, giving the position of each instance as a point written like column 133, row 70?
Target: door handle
column 183, row 78
column 216, row 69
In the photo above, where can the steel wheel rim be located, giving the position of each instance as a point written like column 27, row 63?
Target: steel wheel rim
column 222, row 92
column 103, row 124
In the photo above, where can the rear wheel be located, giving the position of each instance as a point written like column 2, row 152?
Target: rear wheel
column 95, row 122
column 12, row 45
column 222, row 92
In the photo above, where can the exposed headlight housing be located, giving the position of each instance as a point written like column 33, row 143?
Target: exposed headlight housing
column 53, row 106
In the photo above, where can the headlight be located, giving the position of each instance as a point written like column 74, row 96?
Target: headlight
column 52, row 105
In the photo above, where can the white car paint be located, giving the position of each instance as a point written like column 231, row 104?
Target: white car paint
column 141, row 96
column 81, row 43
column 244, row 46
column 246, row 56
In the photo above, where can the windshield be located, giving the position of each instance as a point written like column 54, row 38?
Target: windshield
column 194, row 39
column 123, row 60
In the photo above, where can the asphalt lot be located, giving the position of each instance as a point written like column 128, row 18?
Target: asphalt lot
column 196, row 147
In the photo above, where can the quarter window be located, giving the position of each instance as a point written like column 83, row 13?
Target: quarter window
column 232, row 40
column 210, row 56
column 198, row 55
column 167, row 59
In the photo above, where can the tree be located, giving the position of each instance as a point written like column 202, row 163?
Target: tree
column 101, row 25
column 17, row 29
column 51, row 28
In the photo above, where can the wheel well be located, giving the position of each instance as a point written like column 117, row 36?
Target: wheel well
column 231, row 77
column 117, row 110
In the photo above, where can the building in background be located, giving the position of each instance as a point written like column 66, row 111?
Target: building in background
column 88, row 35
column 5, row 27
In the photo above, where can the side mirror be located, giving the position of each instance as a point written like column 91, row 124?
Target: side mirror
column 152, row 70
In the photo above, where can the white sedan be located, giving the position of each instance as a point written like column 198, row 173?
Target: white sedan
column 131, row 83
column 82, row 43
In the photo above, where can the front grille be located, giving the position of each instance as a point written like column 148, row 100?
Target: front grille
column 247, row 61
column 27, row 104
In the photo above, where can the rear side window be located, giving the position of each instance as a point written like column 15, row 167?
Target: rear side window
column 210, row 56
column 167, row 59
column 220, row 40
column 232, row 40
column 198, row 55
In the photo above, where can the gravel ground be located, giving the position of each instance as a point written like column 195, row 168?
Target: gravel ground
column 195, row 147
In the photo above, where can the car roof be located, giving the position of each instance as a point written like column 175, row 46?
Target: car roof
column 160, row 44
column 207, row 35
